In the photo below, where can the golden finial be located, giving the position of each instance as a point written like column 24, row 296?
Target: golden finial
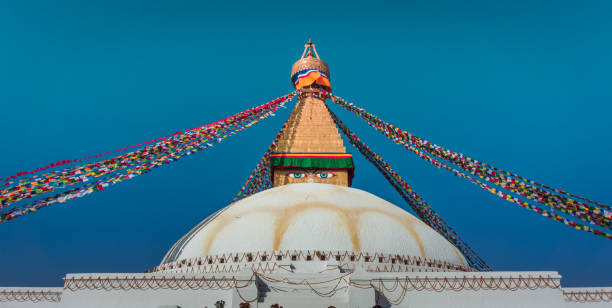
column 308, row 60
column 310, row 48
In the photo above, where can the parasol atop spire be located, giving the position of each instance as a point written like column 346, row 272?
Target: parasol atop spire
column 310, row 69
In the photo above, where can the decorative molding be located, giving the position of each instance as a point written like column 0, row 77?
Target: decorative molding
column 394, row 289
column 30, row 296
column 588, row 296
column 268, row 261
column 152, row 282
column 473, row 282
column 392, row 286
column 465, row 283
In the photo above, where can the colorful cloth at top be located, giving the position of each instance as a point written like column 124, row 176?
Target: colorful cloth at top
column 309, row 76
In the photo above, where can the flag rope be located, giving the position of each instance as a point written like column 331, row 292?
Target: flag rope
column 416, row 202
column 261, row 177
column 596, row 214
column 129, row 165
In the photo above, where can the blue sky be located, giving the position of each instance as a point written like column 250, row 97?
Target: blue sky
column 523, row 85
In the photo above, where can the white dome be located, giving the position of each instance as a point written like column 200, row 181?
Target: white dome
column 314, row 217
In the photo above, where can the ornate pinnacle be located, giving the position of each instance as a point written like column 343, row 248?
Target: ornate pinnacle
column 310, row 47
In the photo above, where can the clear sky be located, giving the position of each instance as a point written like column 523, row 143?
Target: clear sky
column 523, row 85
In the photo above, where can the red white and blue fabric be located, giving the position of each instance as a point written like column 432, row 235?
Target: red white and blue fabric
column 309, row 76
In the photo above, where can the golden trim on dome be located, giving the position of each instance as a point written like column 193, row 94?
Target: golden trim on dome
column 348, row 222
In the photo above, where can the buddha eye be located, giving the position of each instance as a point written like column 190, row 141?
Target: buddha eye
column 325, row 175
column 296, row 175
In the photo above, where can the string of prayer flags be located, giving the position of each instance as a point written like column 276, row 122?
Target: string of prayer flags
column 522, row 191
column 416, row 202
column 97, row 176
column 261, row 177
column 68, row 161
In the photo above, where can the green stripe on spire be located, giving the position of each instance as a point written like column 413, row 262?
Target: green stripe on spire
column 326, row 163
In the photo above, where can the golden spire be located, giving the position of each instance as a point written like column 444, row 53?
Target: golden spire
column 310, row 148
column 310, row 129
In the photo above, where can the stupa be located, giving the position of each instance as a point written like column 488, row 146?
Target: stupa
column 311, row 241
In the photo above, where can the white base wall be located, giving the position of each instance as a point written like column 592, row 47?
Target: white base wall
column 295, row 290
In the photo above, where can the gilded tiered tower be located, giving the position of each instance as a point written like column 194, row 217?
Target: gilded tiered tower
column 310, row 148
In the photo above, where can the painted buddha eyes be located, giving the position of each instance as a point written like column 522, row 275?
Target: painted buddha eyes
column 320, row 175
column 325, row 175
